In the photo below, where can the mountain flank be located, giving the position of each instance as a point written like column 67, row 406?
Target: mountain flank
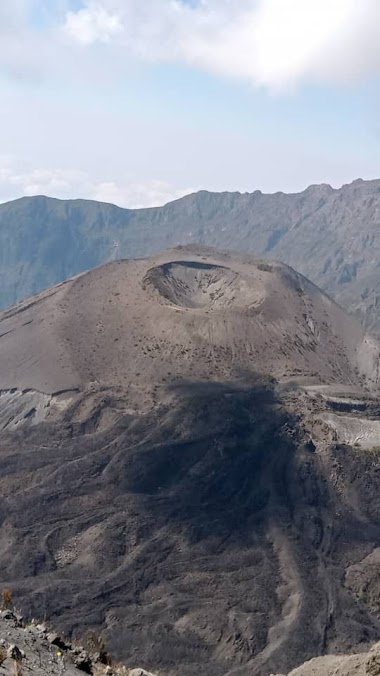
column 189, row 464
column 331, row 236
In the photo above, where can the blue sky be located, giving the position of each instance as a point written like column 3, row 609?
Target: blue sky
column 138, row 103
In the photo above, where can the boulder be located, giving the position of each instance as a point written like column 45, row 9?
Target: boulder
column 8, row 615
column 83, row 662
column 55, row 639
column 14, row 653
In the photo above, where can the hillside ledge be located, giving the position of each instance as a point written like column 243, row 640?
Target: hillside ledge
column 33, row 648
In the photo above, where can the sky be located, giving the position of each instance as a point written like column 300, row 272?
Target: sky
column 138, row 102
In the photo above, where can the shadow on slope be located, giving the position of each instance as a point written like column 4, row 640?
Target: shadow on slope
column 196, row 535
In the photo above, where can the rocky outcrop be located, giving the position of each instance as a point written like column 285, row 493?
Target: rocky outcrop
column 40, row 652
column 362, row 664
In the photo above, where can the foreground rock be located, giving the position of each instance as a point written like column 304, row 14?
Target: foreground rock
column 46, row 654
column 363, row 664
column 30, row 646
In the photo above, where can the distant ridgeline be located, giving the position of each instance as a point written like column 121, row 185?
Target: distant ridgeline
column 331, row 236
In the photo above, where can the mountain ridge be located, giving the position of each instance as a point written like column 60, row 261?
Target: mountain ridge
column 330, row 235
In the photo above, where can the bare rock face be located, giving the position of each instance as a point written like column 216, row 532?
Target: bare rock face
column 363, row 664
column 28, row 647
column 189, row 466
column 35, row 650
column 14, row 653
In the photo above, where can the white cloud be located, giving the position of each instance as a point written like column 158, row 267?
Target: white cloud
column 272, row 43
column 136, row 195
column 91, row 25
column 121, row 134
column 277, row 44
column 18, row 179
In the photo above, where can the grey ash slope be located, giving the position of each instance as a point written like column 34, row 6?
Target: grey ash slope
column 176, row 466
column 188, row 313
column 331, row 236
